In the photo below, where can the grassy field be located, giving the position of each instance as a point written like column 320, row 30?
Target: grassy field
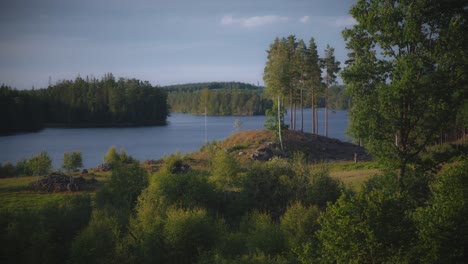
column 14, row 193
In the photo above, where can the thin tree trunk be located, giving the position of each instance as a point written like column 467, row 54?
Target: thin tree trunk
column 291, row 109
column 302, row 111
column 313, row 112
column 279, row 126
column 326, row 111
column 316, row 120
column 294, row 117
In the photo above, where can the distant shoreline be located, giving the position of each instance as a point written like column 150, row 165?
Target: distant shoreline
column 80, row 125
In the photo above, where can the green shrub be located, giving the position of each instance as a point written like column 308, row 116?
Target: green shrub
column 97, row 242
column 187, row 234
column 441, row 224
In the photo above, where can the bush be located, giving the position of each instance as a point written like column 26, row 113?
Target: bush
column 43, row 235
column 371, row 226
column 97, row 242
column 300, row 224
column 441, row 224
column 187, row 234
column 262, row 234
column 8, row 170
column 225, row 169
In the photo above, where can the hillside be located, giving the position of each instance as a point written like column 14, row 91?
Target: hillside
column 263, row 145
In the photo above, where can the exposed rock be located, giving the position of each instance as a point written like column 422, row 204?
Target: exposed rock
column 263, row 153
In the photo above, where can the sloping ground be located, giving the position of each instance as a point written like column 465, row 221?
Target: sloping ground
column 317, row 148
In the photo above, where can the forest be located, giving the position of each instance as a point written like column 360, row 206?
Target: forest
column 234, row 98
column 82, row 102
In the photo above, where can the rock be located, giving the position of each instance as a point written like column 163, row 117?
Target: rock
column 56, row 182
column 104, row 167
column 263, row 153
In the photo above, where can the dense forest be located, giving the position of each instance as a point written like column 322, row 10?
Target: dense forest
column 219, row 102
column 83, row 103
column 234, row 98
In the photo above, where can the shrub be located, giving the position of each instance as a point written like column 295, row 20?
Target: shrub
column 441, row 224
column 187, row 234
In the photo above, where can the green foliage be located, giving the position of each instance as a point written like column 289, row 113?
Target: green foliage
column 8, row 170
column 272, row 186
column 187, row 234
column 299, row 224
column 262, row 234
column 72, row 161
column 371, row 226
column 323, row 188
column 83, row 102
column 219, row 102
column 406, row 75
column 97, row 242
column 43, row 234
column 186, row 190
column 225, row 170
column 112, row 156
column 20, row 111
column 441, row 225
column 119, row 197
column 40, row 164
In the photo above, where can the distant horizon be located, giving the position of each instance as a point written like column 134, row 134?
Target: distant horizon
column 165, row 43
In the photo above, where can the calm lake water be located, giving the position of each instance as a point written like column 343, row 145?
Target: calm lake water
column 184, row 133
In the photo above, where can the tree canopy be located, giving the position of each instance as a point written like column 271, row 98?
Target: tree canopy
column 406, row 74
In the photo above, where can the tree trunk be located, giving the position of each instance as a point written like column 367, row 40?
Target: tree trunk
column 313, row 113
column 326, row 111
column 291, row 108
column 302, row 111
column 279, row 126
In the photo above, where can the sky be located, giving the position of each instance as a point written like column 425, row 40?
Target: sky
column 163, row 42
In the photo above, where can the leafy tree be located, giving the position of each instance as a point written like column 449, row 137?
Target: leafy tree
column 8, row 170
column 406, row 74
column 112, row 156
column 40, row 164
column 188, row 233
column 97, row 242
column 442, row 227
column 372, row 226
column 225, row 170
column 262, row 234
column 72, row 161
column 300, row 224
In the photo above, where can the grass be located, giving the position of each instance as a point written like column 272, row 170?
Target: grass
column 353, row 175
column 14, row 193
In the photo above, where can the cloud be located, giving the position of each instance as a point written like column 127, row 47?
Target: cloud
column 345, row 21
column 304, row 19
column 254, row 21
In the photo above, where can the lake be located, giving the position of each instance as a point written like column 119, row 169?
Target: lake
column 184, row 133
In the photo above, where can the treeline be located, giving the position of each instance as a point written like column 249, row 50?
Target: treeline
column 83, row 103
column 234, row 98
column 191, row 87
column 225, row 101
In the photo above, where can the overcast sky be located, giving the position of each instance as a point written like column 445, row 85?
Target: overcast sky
column 164, row 42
